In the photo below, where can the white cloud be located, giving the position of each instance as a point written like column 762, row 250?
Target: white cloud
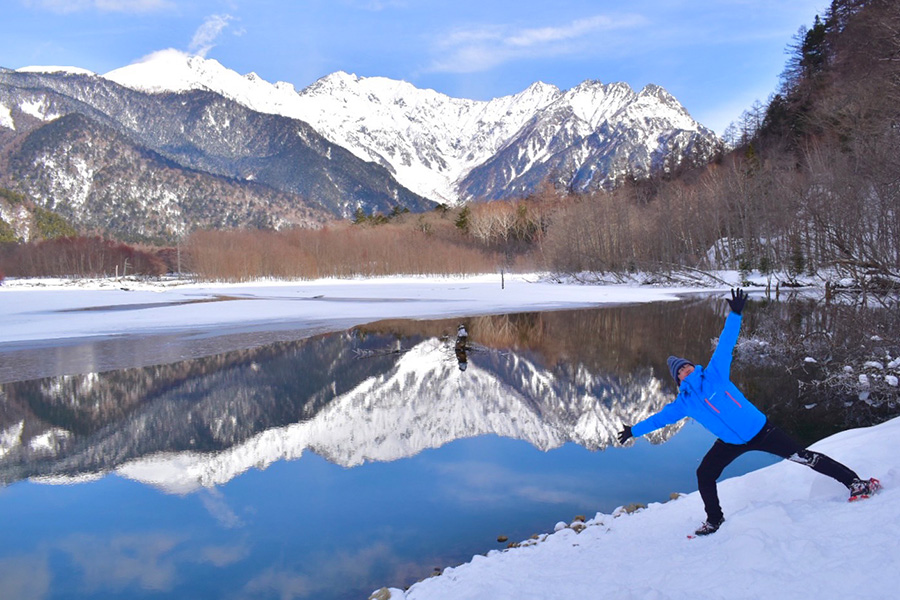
column 222, row 556
column 330, row 571
column 278, row 582
column 122, row 6
column 575, row 29
column 214, row 502
column 25, row 577
column 482, row 483
column 125, row 560
column 206, row 35
column 484, row 47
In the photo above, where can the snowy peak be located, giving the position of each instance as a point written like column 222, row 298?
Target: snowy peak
column 655, row 91
column 447, row 148
column 454, row 149
column 170, row 71
column 336, row 80
column 595, row 103
column 174, row 71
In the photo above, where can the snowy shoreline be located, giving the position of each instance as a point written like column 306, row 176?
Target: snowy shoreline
column 39, row 313
column 97, row 325
column 789, row 533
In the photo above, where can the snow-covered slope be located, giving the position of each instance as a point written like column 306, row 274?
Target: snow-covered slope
column 789, row 533
column 284, row 163
column 433, row 143
column 429, row 140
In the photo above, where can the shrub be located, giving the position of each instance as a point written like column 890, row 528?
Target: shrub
column 340, row 251
column 78, row 257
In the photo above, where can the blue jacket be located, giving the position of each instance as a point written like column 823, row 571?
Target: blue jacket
column 708, row 396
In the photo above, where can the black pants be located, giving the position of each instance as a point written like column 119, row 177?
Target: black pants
column 770, row 439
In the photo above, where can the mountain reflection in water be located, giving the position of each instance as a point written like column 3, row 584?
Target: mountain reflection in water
column 408, row 461
column 381, row 392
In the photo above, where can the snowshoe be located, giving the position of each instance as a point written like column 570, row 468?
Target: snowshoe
column 861, row 489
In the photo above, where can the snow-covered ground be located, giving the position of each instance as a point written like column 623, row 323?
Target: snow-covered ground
column 789, row 533
column 36, row 312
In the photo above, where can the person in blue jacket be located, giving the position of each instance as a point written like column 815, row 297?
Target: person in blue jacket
column 708, row 396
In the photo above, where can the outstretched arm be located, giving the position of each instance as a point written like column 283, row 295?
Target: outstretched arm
column 721, row 358
column 671, row 413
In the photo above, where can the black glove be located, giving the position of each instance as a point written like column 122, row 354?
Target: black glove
column 738, row 299
column 625, row 434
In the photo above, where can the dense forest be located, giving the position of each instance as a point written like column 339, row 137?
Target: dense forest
column 810, row 185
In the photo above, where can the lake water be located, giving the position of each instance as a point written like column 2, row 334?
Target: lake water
column 331, row 466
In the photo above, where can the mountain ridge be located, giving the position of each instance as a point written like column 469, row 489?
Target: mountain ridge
column 344, row 143
column 201, row 131
column 434, row 143
column 204, row 429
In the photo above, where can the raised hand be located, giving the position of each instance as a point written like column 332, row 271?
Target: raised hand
column 738, row 299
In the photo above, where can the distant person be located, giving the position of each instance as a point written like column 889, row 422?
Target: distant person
column 462, row 339
column 708, row 396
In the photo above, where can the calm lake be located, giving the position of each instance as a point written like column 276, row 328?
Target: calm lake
column 334, row 465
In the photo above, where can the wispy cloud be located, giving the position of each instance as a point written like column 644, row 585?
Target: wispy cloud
column 145, row 560
column 576, row 29
column 327, row 571
column 484, row 47
column 222, row 556
column 214, row 502
column 120, row 6
column 477, row 482
column 208, row 33
column 27, row 577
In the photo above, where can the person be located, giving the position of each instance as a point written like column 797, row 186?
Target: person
column 462, row 338
column 708, row 396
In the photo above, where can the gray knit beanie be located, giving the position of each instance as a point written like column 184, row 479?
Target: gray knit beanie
column 675, row 363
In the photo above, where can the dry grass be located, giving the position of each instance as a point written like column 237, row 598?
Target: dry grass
column 341, row 250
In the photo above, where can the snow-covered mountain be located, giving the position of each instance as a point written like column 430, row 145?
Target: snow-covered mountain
column 113, row 159
column 451, row 149
column 285, row 158
column 352, row 411
column 425, row 402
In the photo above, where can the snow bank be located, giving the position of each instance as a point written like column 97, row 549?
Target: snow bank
column 789, row 533
column 33, row 312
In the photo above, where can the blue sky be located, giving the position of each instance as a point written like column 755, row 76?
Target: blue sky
column 716, row 57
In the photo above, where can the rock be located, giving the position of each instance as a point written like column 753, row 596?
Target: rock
column 382, row 594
